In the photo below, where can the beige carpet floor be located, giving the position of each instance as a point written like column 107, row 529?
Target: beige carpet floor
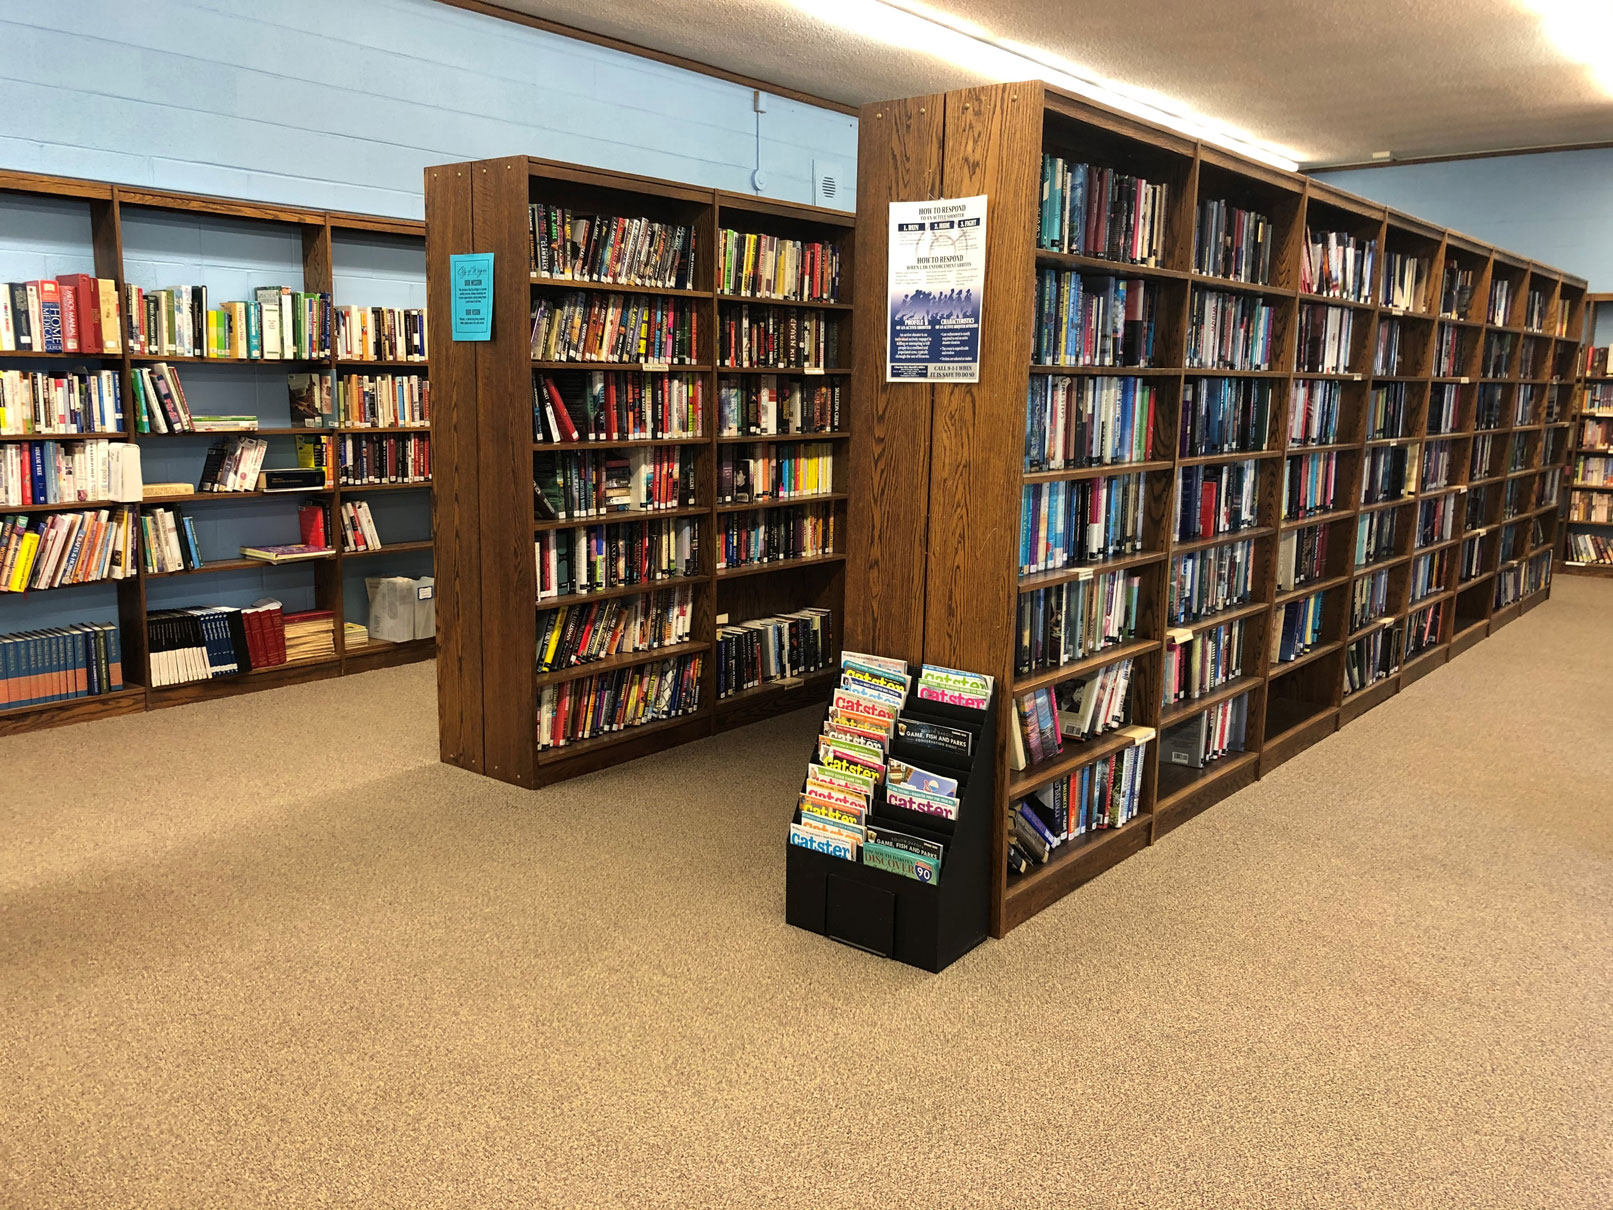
column 270, row 953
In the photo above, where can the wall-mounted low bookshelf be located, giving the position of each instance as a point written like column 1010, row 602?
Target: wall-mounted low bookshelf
column 553, row 663
column 152, row 239
column 1588, row 493
column 1370, row 487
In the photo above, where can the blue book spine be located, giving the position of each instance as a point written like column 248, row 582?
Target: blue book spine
column 114, row 660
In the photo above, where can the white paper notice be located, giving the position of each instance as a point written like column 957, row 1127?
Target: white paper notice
column 937, row 283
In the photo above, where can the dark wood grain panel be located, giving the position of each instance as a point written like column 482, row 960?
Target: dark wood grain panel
column 454, row 446
column 993, row 146
column 899, row 159
column 499, row 199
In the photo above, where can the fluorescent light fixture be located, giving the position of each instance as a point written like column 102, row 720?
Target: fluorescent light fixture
column 925, row 31
column 1582, row 32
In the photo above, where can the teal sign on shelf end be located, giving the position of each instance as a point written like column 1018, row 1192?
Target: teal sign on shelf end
column 472, row 274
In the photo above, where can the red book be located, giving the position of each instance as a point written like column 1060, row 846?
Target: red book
column 1207, row 511
column 311, row 521
column 69, row 299
column 568, row 431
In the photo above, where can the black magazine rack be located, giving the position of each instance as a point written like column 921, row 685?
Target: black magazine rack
column 922, row 924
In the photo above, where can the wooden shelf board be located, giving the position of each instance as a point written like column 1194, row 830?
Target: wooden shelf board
column 753, row 438
column 17, row 719
column 1175, row 712
column 1075, row 862
column 787, row 371
column 389, row 548
column 625, row 443
column 1106, row 371
column 358, row 364
column 751, row 506
column 1076, row 753
column 263, row 363
column 1096, row 472
column 1109, row 655
column 612, row 663
column 1309, row 590
column 351, row 489
column 1337, row 514
column 27, row 355
column 601, row 287
column 744, row 698
column 359, row 430
column 1045, row 579
column 1192, row 780
column 805, row 304
column 1282, row 668
column 70, row 507
column 1102, row 266
column 1230, row 614
column 643, row 514
column 757, row 569
column 642, row 588
column 1259, row 531
column 1243, row 287
column 647, row 367
column 114, row 436
column 585, row 747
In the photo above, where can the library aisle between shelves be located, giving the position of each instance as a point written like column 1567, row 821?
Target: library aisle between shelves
column 203, row 954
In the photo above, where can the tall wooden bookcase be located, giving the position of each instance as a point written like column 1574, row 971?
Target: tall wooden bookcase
column 938, row 469
column 108, row 213
column 487, row 679
column 1598, row 309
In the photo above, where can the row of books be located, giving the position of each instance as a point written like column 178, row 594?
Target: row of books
column 1200, row 662
column 364, row 460
column 1093, row 320
column 1472, row 560
column 1369, row 599
column 764, row 404
column 610, row 248
column 594, row 558
column 168, row 542
column 648, row 328
column 1094, row 421
column 1424, row 629
column 1388, row 411
column 771, row 266
column 1232, row 242
column 1387, row 355
column 1388, row 472
column 276, row 324
column 1208, row 736
column 1404, row 276
column 1435, row 519
column 50, row 403
column 772, row 650
column 1596, row 434
column 800, row 531
column 1075, row 620
column 1206, row 582
column 67, row 472
column 620, row 700
column 73, row 314
column 1429, row 574
column 774, row 471
column 1371, row 658
column 1456, row 289
column 599, row 405
column 1443, row 398
column 1324, row 339
column 1338, row 264
column 59, row 664
column 855, row 779
column 587, row 483
column 1590, row 548
column 1438, row 462
column 233, row 465
column 1077, row 710
column 160, row 405
column 381, row 334
column 1450, row 351
column 1375, row 536
column 1480, row 450
column 598, row 630
column 1225, row 416
column 1497, row 354
column 381, row 400
column 1313, row 411
column 1501, row 299
column 1298, row 628
column 1594, row 470
column 1216, row 499
column 1487, row 414
column 1065, row 523
column 1523, row 408
column 1301, row 556
column 1228, row 331
column 1309, row 483
column 66, row 548
column 1591, row 507
column 782, row 338
column 1101, row 795
column 208, row 641
column 359, row 532
column 1598, row 363
column 1091, row 210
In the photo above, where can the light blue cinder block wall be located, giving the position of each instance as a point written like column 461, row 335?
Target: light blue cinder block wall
column 341, row 104
column 1556, row 207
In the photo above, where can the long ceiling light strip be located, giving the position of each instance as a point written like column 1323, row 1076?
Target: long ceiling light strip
column 1582, row 32
column 924, row 31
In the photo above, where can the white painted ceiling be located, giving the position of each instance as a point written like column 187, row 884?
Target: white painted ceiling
column 1333, row 81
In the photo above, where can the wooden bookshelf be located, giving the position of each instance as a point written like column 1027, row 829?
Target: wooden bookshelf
column 938, row 468
column 1570, row 428
column 110, row 209
column 489, row 692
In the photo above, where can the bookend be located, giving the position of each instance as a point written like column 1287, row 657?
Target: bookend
column 929, row 926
